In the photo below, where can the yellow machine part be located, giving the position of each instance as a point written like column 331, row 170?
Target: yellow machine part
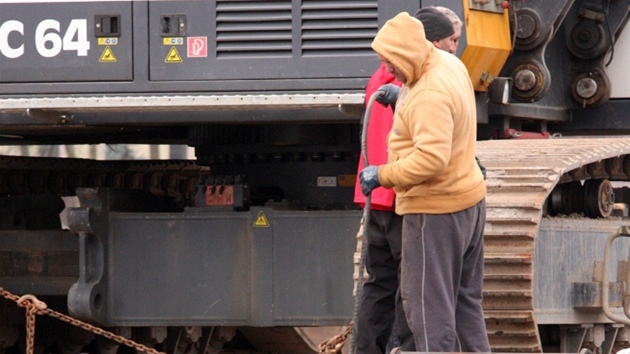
column 488, row 44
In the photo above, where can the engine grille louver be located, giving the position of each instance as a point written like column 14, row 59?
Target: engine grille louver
column 254, row 29
column 338, row 27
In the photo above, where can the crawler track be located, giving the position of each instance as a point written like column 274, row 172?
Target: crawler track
column 521, row 175
column 61, row 176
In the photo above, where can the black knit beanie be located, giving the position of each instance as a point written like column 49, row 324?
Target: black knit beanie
column 436, row 24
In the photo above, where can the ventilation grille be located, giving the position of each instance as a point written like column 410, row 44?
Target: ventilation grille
column 263, row 28
column 253, row 29
column 338, row 27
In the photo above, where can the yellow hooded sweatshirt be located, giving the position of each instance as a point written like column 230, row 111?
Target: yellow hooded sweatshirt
column 431, row 158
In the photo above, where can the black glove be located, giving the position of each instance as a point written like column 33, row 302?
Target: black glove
column 390, row 95
column 481, row 167
column 368, row 178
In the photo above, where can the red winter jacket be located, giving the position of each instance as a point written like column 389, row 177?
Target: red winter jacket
column 381, row 120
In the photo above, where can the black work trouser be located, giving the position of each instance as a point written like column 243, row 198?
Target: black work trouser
column 381, row 303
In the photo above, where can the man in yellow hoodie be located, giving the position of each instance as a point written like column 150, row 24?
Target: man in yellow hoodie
column 439, row 188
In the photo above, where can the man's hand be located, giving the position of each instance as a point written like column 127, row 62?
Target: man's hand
column 390, row 95
column 368, row 178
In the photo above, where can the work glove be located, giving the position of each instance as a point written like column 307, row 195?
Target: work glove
column 368, row 178
column 481, row 167
column 390, row 95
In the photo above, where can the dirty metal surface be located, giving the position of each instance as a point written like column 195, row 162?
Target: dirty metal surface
column 520, row 176
column 178, row 103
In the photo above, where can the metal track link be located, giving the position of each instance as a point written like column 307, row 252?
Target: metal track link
column 62, row 176
column 520, row 176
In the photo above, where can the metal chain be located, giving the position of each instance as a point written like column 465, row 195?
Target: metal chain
column 31, row 311
column 36, row 307
column 334, row 344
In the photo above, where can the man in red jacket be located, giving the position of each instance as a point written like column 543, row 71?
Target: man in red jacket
column 381, row 304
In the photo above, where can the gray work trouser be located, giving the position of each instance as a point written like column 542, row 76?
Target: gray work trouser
column 442, row 278
column 381, row 304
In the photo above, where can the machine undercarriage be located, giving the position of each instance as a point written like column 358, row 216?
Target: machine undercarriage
column 248, row 248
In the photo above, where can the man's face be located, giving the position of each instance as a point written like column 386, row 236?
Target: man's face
column 455, row 38
column 449, row 44
column 390, row 68
column 444, row 44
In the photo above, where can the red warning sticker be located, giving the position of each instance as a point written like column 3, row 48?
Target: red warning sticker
column 219, row 195
column 197, row 47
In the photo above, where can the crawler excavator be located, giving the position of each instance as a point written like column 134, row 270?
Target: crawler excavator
column 248, row 247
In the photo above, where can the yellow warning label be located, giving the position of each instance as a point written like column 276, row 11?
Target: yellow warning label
column 172, row 40
column 173, row 56
column 107, row 41
column 261, row 220
column 107, row 56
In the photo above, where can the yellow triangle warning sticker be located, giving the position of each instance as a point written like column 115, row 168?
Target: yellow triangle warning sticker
column 107, row 56
column 261, row 220
column 173, row 56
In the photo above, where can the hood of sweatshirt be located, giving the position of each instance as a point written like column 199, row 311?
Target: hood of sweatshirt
column 392, row 43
